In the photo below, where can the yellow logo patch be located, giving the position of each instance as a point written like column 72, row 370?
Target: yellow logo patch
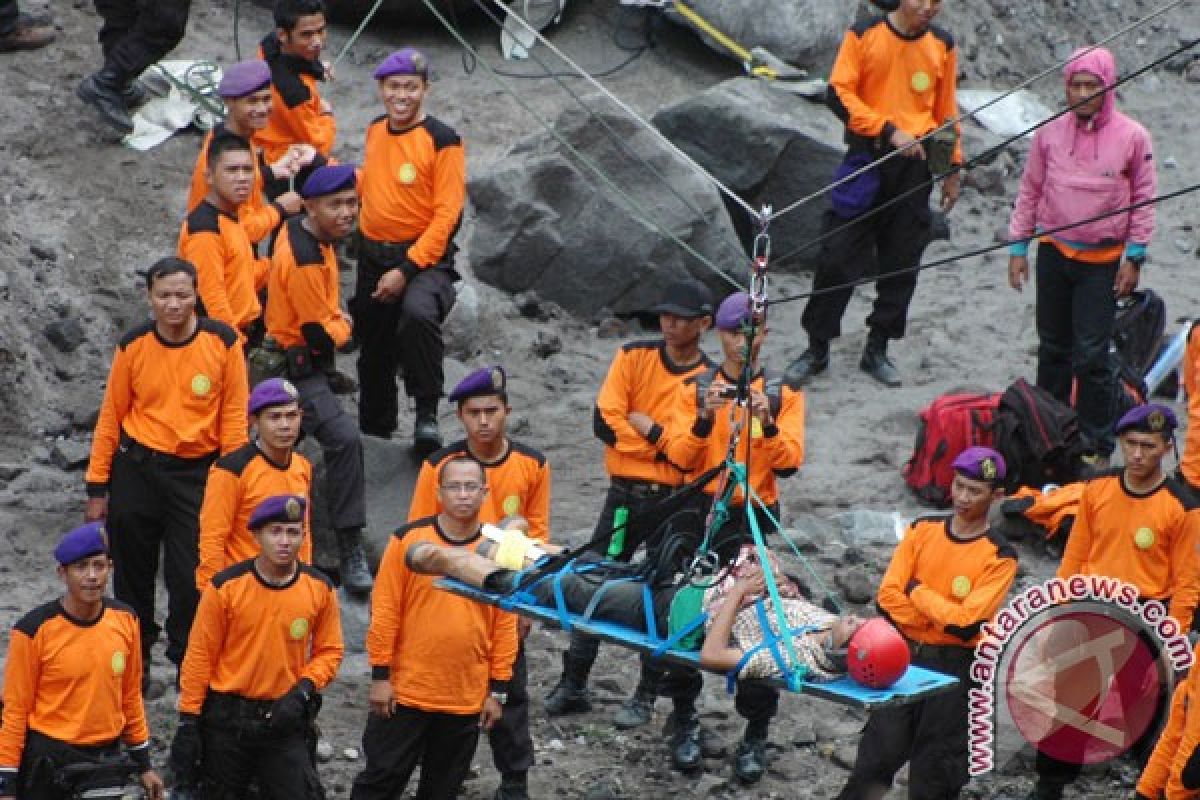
column 1144, row 538
column 407, row 174
column 298, row 629
column 118, row 663
column 201, row 384
column 987, row 468
column 512, row 505
column 756, row 429
column 921, row 81
column 960, row 587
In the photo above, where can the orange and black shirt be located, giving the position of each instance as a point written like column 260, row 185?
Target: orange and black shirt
column 883, row 79
column 1148, row 540
column 186, row 399
column 440, row 651
column 237, row 483
column 76, row 681
column 774, row 451
column 518, row 484
column 257, row 216
column 413, row 184
column 1162, row 776
column 297, row 111
column 1189, row 463
column 256, row 640
column 939, row 589
column 230, row 273
column 642, row 378
column 303, row 287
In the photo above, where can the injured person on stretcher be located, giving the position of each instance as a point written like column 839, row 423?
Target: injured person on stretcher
column 735, row 600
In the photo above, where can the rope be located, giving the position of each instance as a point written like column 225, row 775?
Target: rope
column 362, row 26
column 642, row 213
column 949, row 124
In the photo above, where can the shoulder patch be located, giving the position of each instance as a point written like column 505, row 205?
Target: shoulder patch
column 860, row 28
column 204, row 218
column 219, row 329
column 403, row 530
column 35, row 619
column 230, row 573
column 317, row 574
column 641, row 344
column 1182, row 492
column 442, row 134
column 529, row 452
column 237, row 461
column 942, row 35
column 134, row 334
column 377, row 120
column 1004, row 548
column 453, row 449
column 117, row 605
column 306, row 250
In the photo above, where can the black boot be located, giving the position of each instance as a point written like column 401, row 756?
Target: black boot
column 352, row 561
column 686, row 753
column 638, row 709
column 513, row 786
column 570, row 696
column 1045, row 790
column 134, row 94
column 426, row 435
column 750, row 761
column 812, row 361
column 104, row 92
column 875, row 362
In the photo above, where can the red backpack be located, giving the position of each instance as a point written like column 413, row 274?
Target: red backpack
column 949, row 425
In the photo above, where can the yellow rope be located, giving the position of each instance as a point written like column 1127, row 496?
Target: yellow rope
column 747, row 58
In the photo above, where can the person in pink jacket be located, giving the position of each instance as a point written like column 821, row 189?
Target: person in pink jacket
column 1084, row 167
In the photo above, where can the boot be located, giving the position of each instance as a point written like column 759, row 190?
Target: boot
column 134, row 95
column 27, row 36
column 686, row 753
column 750, row 761
column 426, row 435
column 637, row 710
column 570, row 696
column 104, row 91
column 875, row 362
column 513, row 786
column 1044, row 790
column 812, row 361
column 352, row 561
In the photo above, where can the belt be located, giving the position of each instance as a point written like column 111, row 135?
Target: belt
column 140, row 453
column 643, row 489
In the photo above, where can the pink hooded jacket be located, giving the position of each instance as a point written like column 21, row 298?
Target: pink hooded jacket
column 1079, row 169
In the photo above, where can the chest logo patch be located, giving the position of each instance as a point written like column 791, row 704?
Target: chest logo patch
column 407, row 174
column 201, row 385
column 756, row 429
column 118, row 663
column 960, row 587
column 512, row 505
column 298, row 629
column 921, row 81
column 1144, row 538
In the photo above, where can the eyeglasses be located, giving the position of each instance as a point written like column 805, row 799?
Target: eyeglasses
column 461, row 488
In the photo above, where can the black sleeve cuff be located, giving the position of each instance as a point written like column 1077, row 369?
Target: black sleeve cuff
column 498, row 686
column 8, row 782
column 888, row 130
column 282, row 211
column 97, row 490
column 409, row 269
column 702, row 427
column 770, row 430
column 140, row 756
column 306, row 685
column 654, row 434
column 381, row 673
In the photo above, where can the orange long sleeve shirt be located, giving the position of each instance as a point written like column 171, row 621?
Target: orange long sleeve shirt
column 186, row 399
column 237, row 483
column 773, row 451
column 298, row 114
column 413, row 184
column 960, row 584
column 1148, row 540
column 258, row 216
column 76, row 681
column 440, row 651
column 303, row 287
column 230, row 273
column 883, row 80
column 641, row 378
column 1189, row 464
column 257, row 641
column 1161, row 777
column 518, row 483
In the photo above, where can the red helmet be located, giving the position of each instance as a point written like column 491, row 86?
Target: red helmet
column 877, row 655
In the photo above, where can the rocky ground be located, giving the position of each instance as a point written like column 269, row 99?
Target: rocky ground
column 79, row 216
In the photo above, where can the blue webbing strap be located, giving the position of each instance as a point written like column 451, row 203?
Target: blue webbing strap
column 796, row 550
column 604, row 587
column 675, row 638
column 560, row 599
column 795, row 675
column 770, row 640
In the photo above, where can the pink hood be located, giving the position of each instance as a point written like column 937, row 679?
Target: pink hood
column 1099, row 62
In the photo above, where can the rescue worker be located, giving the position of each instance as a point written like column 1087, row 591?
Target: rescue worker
column 73, row 679
column 892, row 83
column 268, row 639
column 135, row 35
column 413, row 189
column 1138, row 525
column 240, row 481
column 698, row 439
column 1173, row 771
column 304, row 318
column 231, row 273
column 518, row 480
column 20, row 31
column 299, row 115
column 1189, row 461
column 175, row 400
column 946, row 578
column 245, row 88
column 1083, row 164
column 440, row 664
column 642, row 384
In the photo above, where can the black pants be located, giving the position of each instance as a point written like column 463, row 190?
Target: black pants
column 8, row 16
column 1076, row 311
column 406, row 333
column 334, row 430
column 443, row 744
column 930, row 734
column 241, row 750
column 138, row 33
column 888, row 243
column 512, row 746
column 154, row 503
column 42, row 759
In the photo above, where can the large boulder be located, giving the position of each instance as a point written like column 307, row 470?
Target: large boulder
column 769, row 146
column 802, row 32
column 546, row 223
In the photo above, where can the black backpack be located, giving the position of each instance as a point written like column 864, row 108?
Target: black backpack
column 1038, row 436
column 1138, row 329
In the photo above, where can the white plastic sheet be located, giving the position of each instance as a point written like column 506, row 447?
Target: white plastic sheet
column 171, row 109
column 1012, row 115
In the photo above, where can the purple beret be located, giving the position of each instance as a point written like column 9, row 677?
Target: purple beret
column 1148, row 418
column 272, row 392
column 688, row 299
column 408, row 61
column 733, row 311
column 480, row 383
column 86, row 540
column 280, row 508
column 329, row 179
column 243, row 78
column 980, row 464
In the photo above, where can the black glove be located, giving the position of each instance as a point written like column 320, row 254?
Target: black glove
column 290, row 712
column 1191, row 771
column 319, row 342
column 187, row 751
column 913, row 583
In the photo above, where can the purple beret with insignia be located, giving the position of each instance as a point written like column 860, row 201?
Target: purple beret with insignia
column 280, row 508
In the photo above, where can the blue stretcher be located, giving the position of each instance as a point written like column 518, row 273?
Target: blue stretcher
column 916, row 684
